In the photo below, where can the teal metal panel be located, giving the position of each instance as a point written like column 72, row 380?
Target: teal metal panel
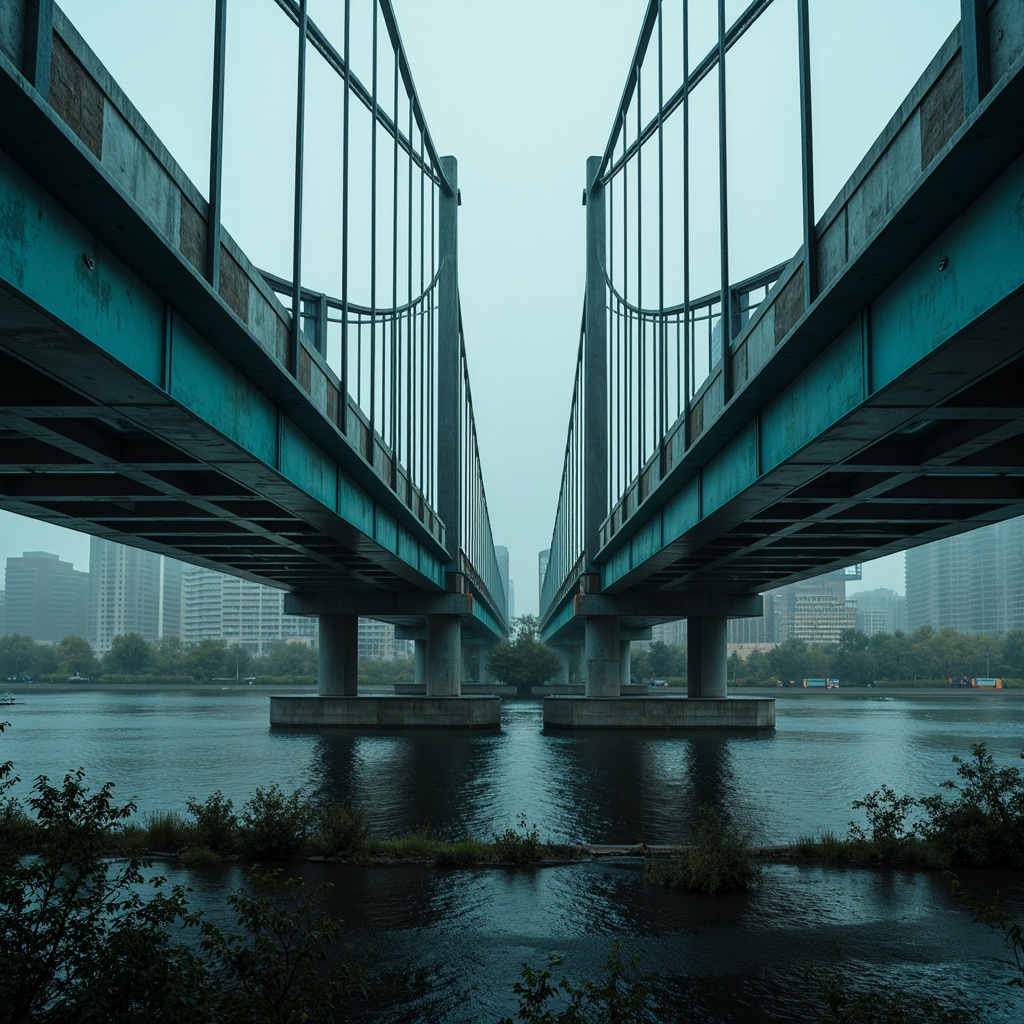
column 57, row 264
column 617, row 566
column 731, row 470
column 355, row 505
column 682, row 513
column 205, row 383
column 831, row 387
column 926, row 305
column 646, row 542
column 307, row 466
column 408, row 549
column 385, row 531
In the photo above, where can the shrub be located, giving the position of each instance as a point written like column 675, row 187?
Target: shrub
column 519, row 845
column 274, row 824
column 167, row 832
column 887, row 831
column 983, row 825
column 620, row 996
column 461, row 854
column 341, row 831
column 216, row 823
column 718, row 861
column 282, row 964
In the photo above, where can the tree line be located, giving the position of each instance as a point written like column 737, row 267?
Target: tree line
column 857, row 659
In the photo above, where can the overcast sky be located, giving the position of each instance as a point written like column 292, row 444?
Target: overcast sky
column 521, row 92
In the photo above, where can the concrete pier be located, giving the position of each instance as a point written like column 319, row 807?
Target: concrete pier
column 567, row 712
column 386, row 712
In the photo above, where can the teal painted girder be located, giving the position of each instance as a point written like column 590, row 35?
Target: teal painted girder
column 53, row 263
column 886, row 364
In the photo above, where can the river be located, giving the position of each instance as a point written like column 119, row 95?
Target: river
column 449, row 943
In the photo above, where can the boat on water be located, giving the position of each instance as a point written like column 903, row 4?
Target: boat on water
column 7, row 698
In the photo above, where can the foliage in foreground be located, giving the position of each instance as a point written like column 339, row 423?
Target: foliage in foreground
column 620, row 996
column 981, row 825
column 718, row 860
column 84, row 937
column 844, row 1002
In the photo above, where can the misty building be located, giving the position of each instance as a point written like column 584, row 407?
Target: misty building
column 501, row 554
column 131, row 591
column 543, row 557
column 880, row 611
column 3, row 601
column 45, row 598
column 377, row 641
column 216, row 606
column 973, row 583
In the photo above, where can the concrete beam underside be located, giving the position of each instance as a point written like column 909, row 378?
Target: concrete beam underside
column 566, row 712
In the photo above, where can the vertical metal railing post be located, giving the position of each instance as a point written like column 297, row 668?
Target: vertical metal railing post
column 725, row 313
column 346, row 133
column 449, row 367
column 38, row 45
column 974, row 53
column 807, row 156
column 595, row 371
column 300, row 131
column 213, row 210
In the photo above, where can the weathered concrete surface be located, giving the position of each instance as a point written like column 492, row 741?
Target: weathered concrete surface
column 386, row 712
column 659, row 713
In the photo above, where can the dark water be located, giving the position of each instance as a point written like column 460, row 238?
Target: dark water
column 449, row 943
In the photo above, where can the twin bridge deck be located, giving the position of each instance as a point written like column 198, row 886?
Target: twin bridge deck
column 156, row 388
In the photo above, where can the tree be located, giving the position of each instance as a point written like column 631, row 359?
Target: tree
column 666, row 659
column 75, row 657
column 16, row 653
column 129, row 655
column 210, row 659
column 287, row 658
column 521, row 659
column 170, row 656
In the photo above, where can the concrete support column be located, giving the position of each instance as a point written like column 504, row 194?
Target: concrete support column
column 625, row 677
column 482, row 674
column 444, row 656
column 419, row 661
column 706, row 665
column 564, row 676
column 338, row 656
column 602, row 656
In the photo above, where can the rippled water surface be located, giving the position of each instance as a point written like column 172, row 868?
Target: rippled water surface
column 449, row 943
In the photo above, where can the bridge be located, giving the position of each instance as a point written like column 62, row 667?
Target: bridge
column 861, row 396
column 314, row 430
column 158, row 389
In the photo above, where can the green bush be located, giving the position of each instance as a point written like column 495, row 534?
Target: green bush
column 167, row 832
column 718, row 860
column 620, row 996
column 216, row 824
column 983, row 824
column 461, row 854
column 341, row 832
column 888, row 832
column 519, row 845
column 274, row 824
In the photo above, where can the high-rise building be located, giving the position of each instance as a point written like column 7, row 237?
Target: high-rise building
column 216, row 606
column 501, row 553
column 45, row 599
column 130, row 593
column 377, row 640
column 543, row 557
column 973, row 583
column 880, row 611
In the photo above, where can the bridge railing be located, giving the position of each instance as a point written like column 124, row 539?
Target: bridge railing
column 318, row 159
column 715, row 168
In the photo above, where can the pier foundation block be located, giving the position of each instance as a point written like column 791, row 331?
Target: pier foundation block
column 386, row 712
